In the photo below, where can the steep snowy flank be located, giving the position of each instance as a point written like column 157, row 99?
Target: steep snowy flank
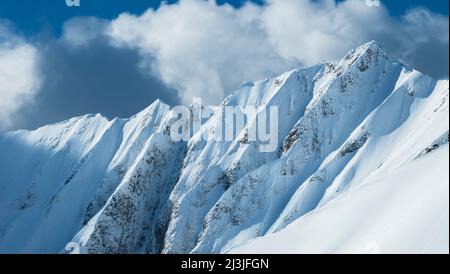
column 362, row 151
column 55, row 179
column 412, row 216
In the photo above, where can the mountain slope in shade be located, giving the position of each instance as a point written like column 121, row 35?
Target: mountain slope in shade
column 350, row 132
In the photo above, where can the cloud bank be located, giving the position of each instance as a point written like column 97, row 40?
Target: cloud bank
column 200, row 48
column 52, row 79
column 83, row 73
column 18, row 75
column 206, row 50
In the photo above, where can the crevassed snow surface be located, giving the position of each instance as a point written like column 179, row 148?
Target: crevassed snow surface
column 362, row 166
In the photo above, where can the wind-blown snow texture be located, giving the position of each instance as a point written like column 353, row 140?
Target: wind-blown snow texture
column 362, row 163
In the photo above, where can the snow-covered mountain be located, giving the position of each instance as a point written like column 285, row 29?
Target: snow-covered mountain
column 362, row 166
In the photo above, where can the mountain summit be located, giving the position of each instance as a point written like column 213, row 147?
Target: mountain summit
column 361, row 166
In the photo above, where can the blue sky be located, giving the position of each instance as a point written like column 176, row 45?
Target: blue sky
column 99, row 63
column 31, row 16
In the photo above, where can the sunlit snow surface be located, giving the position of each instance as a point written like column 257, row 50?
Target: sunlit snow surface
column 362, row 166
column 404, row 210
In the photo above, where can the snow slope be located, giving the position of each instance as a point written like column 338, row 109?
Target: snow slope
column 53, row 180
column 409, row 215
column 352, row 134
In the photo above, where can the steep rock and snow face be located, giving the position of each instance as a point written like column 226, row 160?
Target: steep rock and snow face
column 55, row 179
column 358, row 102
column 124, row 186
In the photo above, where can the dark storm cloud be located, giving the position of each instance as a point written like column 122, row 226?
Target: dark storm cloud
column 92, row 78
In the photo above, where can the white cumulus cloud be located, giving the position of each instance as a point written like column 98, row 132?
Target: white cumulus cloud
column 201, row 48
column 315, row 31
column 18, row 75
column 205, row 49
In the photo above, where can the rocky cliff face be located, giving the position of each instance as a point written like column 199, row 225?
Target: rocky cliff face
column 124, row 186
